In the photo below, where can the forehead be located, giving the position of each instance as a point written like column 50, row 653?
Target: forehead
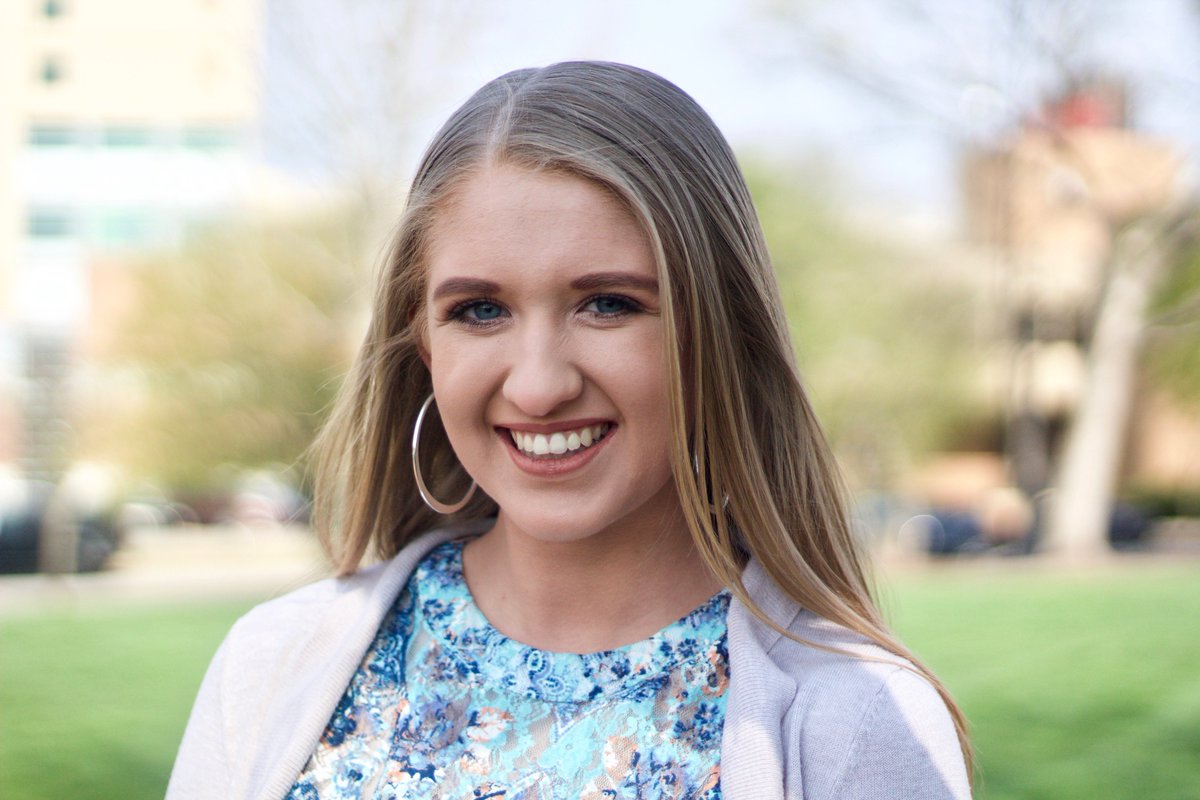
column 505, row 217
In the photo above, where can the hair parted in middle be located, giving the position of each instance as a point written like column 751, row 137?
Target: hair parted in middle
column 743, row 426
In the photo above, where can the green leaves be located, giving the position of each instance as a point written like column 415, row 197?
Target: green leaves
column 883, row 331
column 227, row 352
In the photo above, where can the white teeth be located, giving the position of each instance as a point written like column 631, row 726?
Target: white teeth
column 559, row 442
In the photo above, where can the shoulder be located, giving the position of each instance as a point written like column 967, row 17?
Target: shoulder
column 308, row 642
column 855, row 721
column 278, row 676
column 330, row 607
column 886, row 727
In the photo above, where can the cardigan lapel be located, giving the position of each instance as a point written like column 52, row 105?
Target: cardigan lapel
column 325, row 664
column 753, row 753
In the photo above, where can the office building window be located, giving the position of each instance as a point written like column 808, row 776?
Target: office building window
column 50, row 223
column 125, row 228
column 209, row 140
column 127, row 136
column 52, row 136
column 53, row 70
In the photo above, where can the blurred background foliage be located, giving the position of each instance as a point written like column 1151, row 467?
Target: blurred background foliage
column 228, row 352
column 884, row 339
column 1173, row 344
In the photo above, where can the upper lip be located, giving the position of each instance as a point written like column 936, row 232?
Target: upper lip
column 554, row 427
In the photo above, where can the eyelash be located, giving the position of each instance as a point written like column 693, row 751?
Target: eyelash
column 459, row 313
column 628, row 304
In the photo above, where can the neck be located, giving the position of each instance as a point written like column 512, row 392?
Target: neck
column 607, row 590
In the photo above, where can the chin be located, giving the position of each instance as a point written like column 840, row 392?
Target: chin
column 551, row 528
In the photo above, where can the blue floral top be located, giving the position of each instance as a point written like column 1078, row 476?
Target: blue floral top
column 445, row 706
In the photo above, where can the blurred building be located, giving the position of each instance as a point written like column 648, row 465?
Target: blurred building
column 122, row 124
column 1047, row 203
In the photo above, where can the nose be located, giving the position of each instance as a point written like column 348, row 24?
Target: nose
column 543, row 374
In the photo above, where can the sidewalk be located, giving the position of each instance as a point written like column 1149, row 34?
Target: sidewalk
column 179, row 564
column 194, row 563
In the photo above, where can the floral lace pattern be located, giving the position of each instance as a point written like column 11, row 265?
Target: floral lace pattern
column 445, row 706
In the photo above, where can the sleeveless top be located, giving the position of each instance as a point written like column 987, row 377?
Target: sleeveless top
column 445, row 706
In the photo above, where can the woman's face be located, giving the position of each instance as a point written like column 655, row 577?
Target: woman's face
column 545, row 342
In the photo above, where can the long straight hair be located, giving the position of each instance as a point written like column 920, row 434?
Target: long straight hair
column 745, row 438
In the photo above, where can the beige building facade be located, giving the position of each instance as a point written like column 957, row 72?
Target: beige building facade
column 1048, row 203
column 122, row 124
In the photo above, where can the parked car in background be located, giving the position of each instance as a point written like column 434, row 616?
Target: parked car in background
column 25, row 512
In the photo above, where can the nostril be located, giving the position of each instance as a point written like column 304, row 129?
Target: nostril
column 539, row 386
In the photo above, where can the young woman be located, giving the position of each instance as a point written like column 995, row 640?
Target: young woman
column 620, row 565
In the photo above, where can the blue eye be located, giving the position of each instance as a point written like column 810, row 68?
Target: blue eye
column 484, row 311
column 610, row 305
column 476, row 312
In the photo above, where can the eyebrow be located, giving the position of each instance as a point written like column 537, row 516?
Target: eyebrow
column 615, row 280
column 454, row 286
column 591, row 282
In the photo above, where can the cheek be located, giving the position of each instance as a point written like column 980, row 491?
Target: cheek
column 465, row 373
column 638, row 380
column 463, row 358
column 460, row 410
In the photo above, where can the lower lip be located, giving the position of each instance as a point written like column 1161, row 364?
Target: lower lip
column 551, row 467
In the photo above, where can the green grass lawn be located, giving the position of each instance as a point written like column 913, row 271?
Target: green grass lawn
column 93, row 704
column 1077, row 686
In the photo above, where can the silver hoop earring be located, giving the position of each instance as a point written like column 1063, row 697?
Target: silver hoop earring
column 426, row 495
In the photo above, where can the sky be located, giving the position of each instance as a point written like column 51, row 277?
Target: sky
column 772, row 73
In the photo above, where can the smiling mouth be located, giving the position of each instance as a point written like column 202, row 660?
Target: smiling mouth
column 560, row 444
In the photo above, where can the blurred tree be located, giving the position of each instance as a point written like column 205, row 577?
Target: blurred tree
column 1173, row 355
column 227, row 352
column 974, row 72
column 1144, row 253
column 351, row 85
column 883, row 339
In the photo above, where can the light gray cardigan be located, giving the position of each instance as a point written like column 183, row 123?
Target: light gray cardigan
column 800, row 722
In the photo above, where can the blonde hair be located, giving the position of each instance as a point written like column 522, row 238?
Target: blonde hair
column 744, row 428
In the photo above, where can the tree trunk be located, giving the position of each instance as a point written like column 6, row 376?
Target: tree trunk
column 1092, row 455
